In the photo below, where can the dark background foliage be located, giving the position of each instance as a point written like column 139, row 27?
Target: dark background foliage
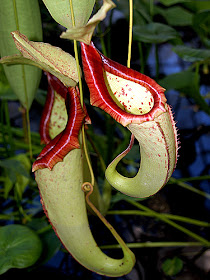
column 171, row 43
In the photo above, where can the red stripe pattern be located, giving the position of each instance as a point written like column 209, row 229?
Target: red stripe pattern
column 57, row 148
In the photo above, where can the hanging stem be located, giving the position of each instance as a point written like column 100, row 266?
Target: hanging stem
column 168, row 221
column 188, row 187
column 169, row 216
column 25, row 115
column 151, row 7
column 130, row 32
column 88, row 189
column 155, row 244
column 81, row 95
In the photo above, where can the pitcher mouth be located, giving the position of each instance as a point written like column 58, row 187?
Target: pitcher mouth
column 109, row 82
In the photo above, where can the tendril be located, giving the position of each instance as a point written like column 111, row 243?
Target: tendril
column 87, row 188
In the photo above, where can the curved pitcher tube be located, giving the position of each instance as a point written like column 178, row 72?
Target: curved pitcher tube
column 59, row 174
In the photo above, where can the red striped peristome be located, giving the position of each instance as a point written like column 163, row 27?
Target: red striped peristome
column 56, row 149
column 95, row 65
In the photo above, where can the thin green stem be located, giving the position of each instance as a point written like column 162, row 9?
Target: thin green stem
column 189, row 187
column 18, row 132
column 78, row 71
column 101, row 159
column 76, row 54
column 5, row 217
column 81, row 95
column 156, row 244
column 168, row 221
column 196, row 178
column 16, row 14
column 169, row 216
column 88, row 188
column 25, row 115
column 44, row 229
column 151, row 6
column 87, row 157
column 103, row 45
column 130, row 32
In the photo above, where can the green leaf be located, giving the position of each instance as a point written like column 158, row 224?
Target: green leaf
column 18, row 59
column 50, row 242
column 14, row 165
column 178, row 16
column 17, row 173
column 40, row 96
column 201, row 22
column 172, row 267
column 20, row 247
column 6, row 92
column 84, row 33
column 23, row 15
column 191, row 54
column 197, row 6
column 172, row 2
column 60, row 11
column 46, row 57
column 154, row 33
column 8, row 184
column 186, row 82
column 141, row 10
column 51, row 245
column 178, row 81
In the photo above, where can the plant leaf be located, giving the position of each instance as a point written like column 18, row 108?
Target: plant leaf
column 46, row 56
column 18, row 59
column 50, row 242
column 191, row 54
column 5, row 90
column 61, row 12
column 172, row 2
column 20, row 247
column 14, row 165
column 8, row 184
column 201, row 21
column 84, row 33
column 178, row 16
column 171, row 267
column 23, row 15
column 197, row 6
column 185, row 82
column 22, row 181
column 154, row 33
